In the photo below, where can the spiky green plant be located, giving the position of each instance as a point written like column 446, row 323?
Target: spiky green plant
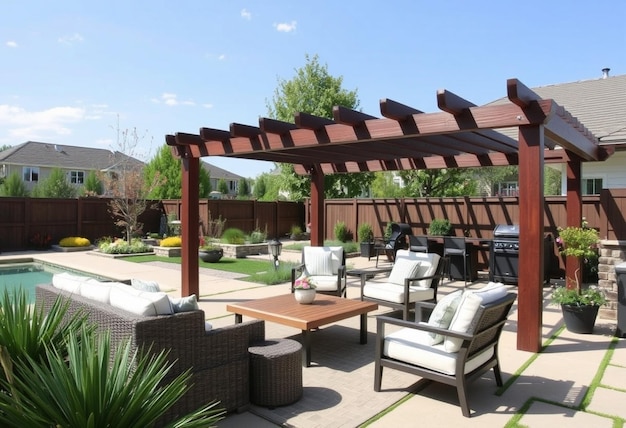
column 87, row 390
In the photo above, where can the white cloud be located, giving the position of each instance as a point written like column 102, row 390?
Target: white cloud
column 221, row 57
column 11, row 44
column 171, row 99
column 70, row 39
column 245, row 14
column 207, row 105
column 32, row 125
column 285, row 27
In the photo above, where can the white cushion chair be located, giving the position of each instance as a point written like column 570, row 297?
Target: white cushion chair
column 457, row 344
column 413, row 278
column 325, row 267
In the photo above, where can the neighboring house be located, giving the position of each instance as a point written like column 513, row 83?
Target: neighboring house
column 600, row 105
column 216, row 174
column 34, row 161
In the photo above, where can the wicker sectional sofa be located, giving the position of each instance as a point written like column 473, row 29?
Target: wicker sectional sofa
column 218, row 358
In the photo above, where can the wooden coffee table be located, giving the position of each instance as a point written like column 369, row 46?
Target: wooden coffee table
column 324, row 310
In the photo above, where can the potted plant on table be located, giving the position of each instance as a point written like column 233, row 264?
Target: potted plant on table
column 304, row 290
column 579, row 304
column 366, row 240
column 208, row 251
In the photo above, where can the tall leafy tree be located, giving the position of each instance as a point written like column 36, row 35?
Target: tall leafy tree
column 443, row 182
column 243, row 190
column 168, row 168
column 313, row 90
column 55, row 186
column 222, row 187
column 260, row 187
column 13, row 186
column 93, row 185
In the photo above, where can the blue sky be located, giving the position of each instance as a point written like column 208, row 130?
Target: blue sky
column 70, row 69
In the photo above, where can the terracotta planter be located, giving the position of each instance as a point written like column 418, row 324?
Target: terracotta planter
column 305, row 297
column 211, row 256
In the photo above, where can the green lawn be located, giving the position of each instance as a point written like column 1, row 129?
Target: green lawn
column 258, row 271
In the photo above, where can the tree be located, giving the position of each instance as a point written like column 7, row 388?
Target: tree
column 313, row 90
column 383, row 186
column 55, row 186
column 168, row 168
column 93, row 185
column 438, row 183
column 267, row 187
column 243, row 190
column 222, row 187
column 260, row 187
column 125, row 184
column 13, row 186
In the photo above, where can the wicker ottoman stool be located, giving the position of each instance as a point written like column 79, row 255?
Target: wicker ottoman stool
column 275, row 372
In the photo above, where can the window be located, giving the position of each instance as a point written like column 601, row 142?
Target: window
column 233, row 185
column 508, row 188
column 30, row 173
column 591, row 186
column 77, row 177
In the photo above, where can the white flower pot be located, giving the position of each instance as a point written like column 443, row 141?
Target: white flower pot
column 305, row 297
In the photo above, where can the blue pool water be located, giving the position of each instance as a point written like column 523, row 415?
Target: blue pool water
column 27, row 275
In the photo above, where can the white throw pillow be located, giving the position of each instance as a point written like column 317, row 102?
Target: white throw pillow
column 318, row 261
column 146, row 303
column 443, row 313
column 185, row 304
column 142, row 285
column 68, row 282
column 403, row 268
column 467, row 309
column 208, row 326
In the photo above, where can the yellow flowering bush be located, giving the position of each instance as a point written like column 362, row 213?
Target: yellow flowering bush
column 172, row 241
column 74, row 241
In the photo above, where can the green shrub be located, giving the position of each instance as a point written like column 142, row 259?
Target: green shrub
column 73, row 241
column 440, row 227
column 296, row 230
column 366, row 234
column 120, row 246
column 172, row 241
column 234, row 236
column 341, row 232
column 257, row 236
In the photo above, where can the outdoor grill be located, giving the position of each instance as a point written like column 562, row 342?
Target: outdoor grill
column 504, row 259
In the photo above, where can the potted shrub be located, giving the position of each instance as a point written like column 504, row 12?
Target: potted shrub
column 208, row 251
column 579, row 304
column 366, row 240
column 440, row 227
column 295, row 233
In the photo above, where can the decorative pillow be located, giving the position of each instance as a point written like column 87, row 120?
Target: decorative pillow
column 146, row 303
column 185, row 304
column 318, row 261
column 443, row 313
column 208, row 326
column 466, row 311
column 403, row 268
column 151, row 286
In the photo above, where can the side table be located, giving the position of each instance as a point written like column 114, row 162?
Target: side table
column 275, row 372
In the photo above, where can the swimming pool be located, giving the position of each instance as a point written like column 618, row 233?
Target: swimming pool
column 27, row 275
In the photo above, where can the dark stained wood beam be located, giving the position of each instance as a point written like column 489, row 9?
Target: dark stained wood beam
column 210, row 134
column 520, row 94
column 244, row 131
column 308, row 121
column 350, row 117
column 394, row 110
column 452, row 103
column 273, row 126
column 568, row 137
column 184, row 139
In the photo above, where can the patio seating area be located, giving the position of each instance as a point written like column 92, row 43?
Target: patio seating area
column 338, row 388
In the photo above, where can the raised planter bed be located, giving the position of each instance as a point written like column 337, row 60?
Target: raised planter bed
column 167, row 251
column 72, row 249
column 241, row 251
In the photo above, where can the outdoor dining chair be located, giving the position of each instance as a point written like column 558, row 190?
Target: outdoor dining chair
column 455, row 248
column 419, row 243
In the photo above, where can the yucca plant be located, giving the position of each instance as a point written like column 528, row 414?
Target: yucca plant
column 87, row 390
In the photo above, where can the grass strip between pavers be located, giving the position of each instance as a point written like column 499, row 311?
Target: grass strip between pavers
column 618, row 422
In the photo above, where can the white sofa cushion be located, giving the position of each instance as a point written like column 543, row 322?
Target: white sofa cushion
column 413, row 346
column 403, row 268
column 443, row 313
column 68, row 281
column 470, row 302
column 395, row 293
column 146, row 303
column 95, row 290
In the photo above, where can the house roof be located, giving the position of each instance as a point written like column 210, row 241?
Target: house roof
column 217, row 173
column 34, row 153
column 598, row 103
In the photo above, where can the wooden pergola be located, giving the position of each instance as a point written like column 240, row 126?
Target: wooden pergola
column 462, row 135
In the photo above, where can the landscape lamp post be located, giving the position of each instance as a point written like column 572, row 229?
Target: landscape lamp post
column 275, row 247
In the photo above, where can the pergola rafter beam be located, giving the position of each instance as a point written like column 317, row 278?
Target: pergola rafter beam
column 394, row 110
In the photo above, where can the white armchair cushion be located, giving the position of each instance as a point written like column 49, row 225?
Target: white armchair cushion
column 395, row 293
column 318, row 261
column 324, row 282
column 413, row 346
column 467, row 309
column 428, row 264
column 443, row 313
column 403, row 268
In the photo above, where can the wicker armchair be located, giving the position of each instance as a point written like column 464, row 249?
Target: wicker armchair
column 218, row 359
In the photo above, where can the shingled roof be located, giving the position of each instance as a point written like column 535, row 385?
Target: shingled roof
column 38, row 154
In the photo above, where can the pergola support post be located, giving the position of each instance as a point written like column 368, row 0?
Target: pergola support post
column 189, row 220
column 574, row 201
column 317, row 206
column 531, row 215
